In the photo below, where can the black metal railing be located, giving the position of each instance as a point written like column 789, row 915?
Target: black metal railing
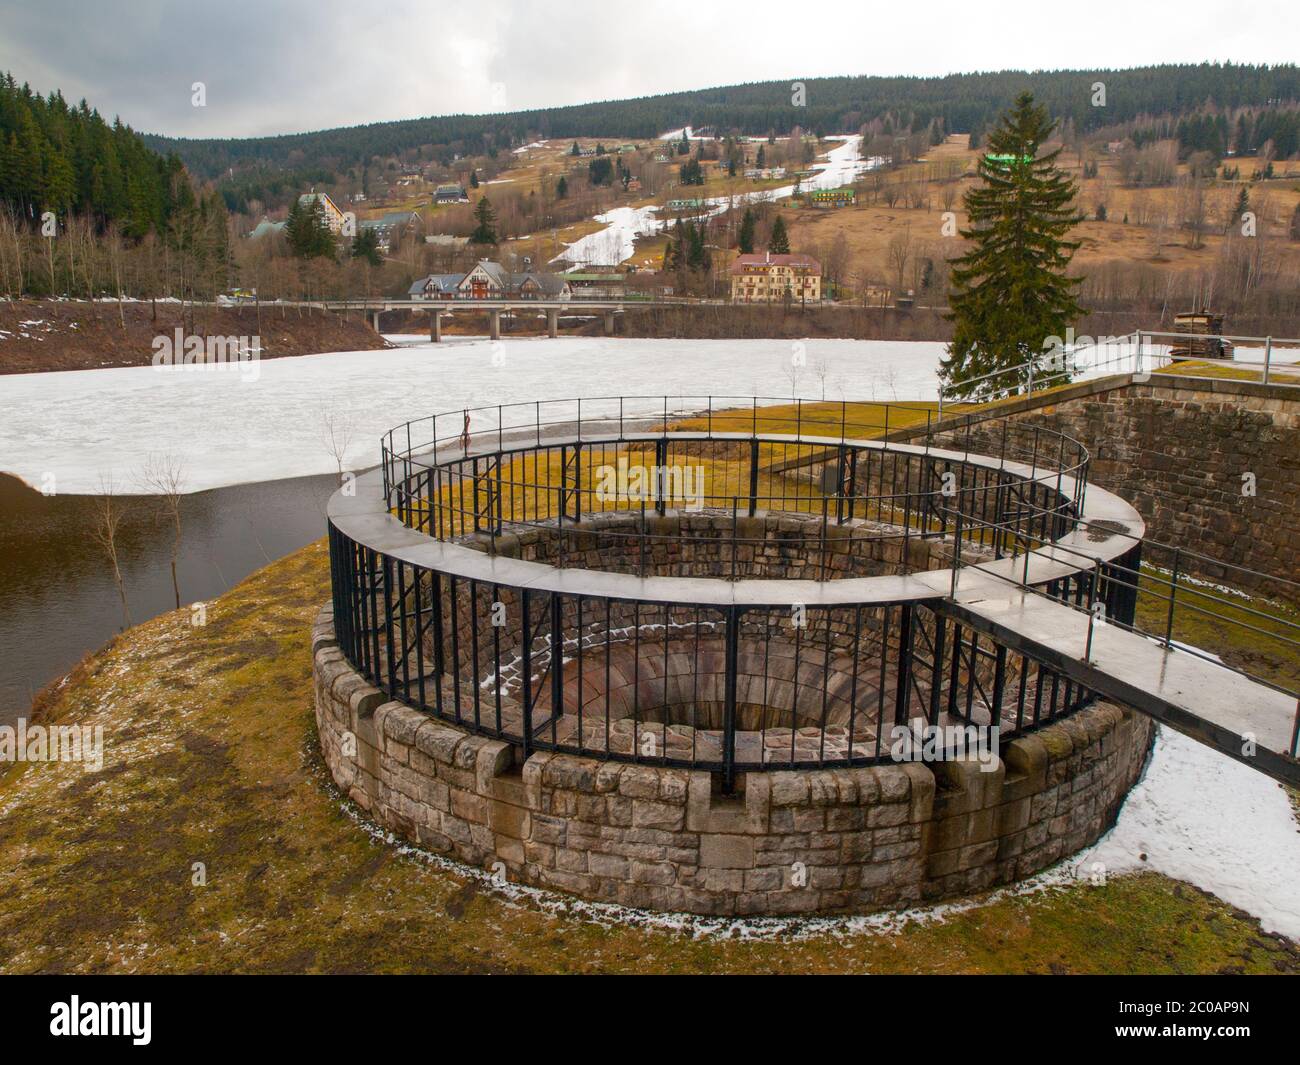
column 820, row 491
column 636, row 676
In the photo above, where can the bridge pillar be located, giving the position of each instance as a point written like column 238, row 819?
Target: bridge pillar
column 374, row 320
column 494, row 330
column 609, row 323
column 435, row 326
column 552, row 324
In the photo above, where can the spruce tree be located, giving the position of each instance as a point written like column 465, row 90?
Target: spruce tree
column 1243, row 205
column 1010, row 290
column 307, row 231
column 779, row 242
column 746, row 238
column 697, row 256
column 561, row 188
column 366, row 246
column 485, row 232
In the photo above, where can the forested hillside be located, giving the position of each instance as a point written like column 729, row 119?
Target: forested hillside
column 963, row 103
column 69, row 160
column 136, row 221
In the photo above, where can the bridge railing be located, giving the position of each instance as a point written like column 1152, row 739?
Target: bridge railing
column 1150, row 591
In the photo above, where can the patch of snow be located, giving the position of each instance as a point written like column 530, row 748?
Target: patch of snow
column 1201, row 817
column 676, row 135
column 624, row 225
column 617, row 241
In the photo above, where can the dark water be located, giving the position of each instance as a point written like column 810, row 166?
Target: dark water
column 57, row 595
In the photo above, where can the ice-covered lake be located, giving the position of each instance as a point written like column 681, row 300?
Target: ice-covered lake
column 268, row 420
column 230, row 427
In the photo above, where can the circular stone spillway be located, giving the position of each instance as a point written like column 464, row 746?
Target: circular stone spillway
column 691, row 668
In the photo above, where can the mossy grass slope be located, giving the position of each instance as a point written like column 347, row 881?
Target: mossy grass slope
column 211, row 758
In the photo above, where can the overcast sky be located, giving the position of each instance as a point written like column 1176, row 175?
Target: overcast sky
column 293, row 65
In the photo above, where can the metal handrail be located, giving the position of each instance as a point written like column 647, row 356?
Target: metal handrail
column 1116, row 572
column 1030, row 369
column 711, row 407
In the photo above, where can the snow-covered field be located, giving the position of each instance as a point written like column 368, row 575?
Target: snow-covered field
column 229, row 427
column 624, row 225
column 1201, row 817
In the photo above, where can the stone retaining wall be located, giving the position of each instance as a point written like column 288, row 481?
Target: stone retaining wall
column 841, row 840
column 1177, row 449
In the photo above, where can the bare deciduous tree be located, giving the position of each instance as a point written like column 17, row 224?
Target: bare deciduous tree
column 108, row 512
column 337, row 428
column 900, row 253
column 164, row 475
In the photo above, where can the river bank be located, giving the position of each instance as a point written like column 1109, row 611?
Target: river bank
column 58, row 600
column 39, row 336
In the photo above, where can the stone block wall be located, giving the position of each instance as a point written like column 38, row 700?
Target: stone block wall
column 819, row 841
column 1177, row 449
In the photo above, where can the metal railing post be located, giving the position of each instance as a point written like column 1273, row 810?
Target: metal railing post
column 1173, row 591
column 956, row 560
column 1268, row 356
column 729, row 701
column 753, row 477
column 1092, row 611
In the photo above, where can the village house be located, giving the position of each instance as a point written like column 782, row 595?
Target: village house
column 450, row 194
column 768, row 278
column 333, row 216
column 436, row 287
column 587, row 285
column 491, row 281
column 266, row 228
column 389, row 227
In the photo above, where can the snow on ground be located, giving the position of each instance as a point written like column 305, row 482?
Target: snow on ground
column 624, row 225
column 230, row 427
column 676, row 135
column 1201, row 817
column 617, row 241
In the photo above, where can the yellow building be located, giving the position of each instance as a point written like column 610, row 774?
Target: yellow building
column 333, row 216
column 769, row 278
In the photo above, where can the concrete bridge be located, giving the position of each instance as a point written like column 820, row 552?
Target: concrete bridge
column 494, row 308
